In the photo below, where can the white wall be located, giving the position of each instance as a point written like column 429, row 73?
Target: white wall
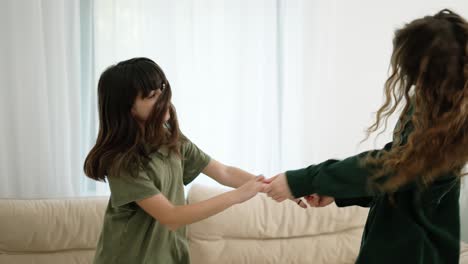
column 347, row 67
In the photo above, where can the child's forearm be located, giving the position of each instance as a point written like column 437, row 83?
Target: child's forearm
column 188, row 214
column 236, row 177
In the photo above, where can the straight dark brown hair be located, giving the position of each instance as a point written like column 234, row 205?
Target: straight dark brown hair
column 122, row 144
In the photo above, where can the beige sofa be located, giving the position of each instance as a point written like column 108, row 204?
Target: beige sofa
column 258, row 231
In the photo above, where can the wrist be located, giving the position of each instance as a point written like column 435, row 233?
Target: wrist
column 234, row 196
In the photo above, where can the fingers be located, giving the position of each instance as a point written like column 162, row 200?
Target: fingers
column 260, row 178
column 273, row 191
column 313, row 200
column 269, row 180
column 309, row 198
column 300, row 203
column 326, row 200
column 321, row 201
column 275, row 195
column 276, row 190
column 316, row 200
column 277, row 198
column 281, row 199
column 303, row 205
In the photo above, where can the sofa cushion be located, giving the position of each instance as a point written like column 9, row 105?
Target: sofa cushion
column 464, row 253
column 263, row 231
column 60, row 257
column 258, row 231
column 50, row 225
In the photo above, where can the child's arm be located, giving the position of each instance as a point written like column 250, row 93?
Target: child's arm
column 233, row 177
column 341, row 179
column 175, row 216
column 227, row 175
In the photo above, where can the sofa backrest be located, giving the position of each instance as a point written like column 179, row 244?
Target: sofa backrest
column 263, row 231
column 65, row 231
column 50, row 230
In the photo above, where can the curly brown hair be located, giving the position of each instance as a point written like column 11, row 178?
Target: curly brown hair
column 429, row 76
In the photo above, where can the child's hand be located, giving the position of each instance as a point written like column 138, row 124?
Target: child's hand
column 278, row 188
column 299, row 201
column 250, row 189
column 315, row 200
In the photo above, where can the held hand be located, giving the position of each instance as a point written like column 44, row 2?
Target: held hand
column 250, row 189
column 278, row 188
column 315, row 200
column 299, row 201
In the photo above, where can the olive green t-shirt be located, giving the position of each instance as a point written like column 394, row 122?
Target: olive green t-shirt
column 129, row 234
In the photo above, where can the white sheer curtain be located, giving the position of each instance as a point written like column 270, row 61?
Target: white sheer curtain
column 40, row 120
column 235, row 68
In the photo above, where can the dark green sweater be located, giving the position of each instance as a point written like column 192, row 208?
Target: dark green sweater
column 419, row 227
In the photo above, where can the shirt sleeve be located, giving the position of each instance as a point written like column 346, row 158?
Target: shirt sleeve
column 346, row 178
column 126, row 188
column 194, row 161
column 359, row 201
